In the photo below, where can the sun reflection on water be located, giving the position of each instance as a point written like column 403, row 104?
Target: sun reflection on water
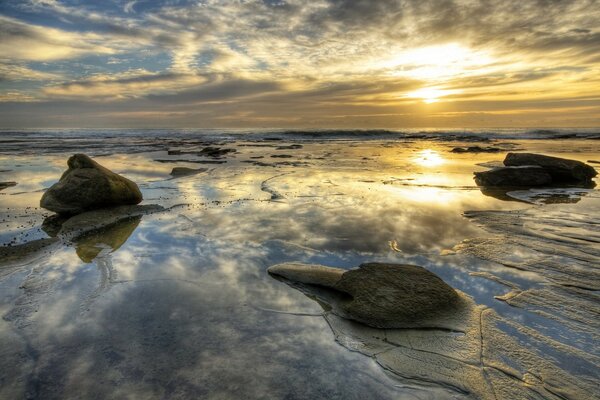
column 429, row 158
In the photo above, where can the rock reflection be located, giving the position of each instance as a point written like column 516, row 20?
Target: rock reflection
column 550, row 195
column 111, row 238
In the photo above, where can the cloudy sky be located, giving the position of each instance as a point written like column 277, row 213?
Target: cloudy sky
column 303, row 64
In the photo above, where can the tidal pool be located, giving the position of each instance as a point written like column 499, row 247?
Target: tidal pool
column 178, row 304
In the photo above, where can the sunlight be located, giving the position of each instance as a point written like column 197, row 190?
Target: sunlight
column 429, row 158
column 430, row 94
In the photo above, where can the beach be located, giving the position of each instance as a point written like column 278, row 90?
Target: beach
column 175, row 301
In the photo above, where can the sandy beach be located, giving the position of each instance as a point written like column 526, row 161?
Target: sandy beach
column 174, row 301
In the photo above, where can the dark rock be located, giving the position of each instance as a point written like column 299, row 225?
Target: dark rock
column 377, row 294
column 87, row 185
column 215, row 152
column 290, row 147
column 4, row 185
column 193, row 161
column 282, row 156
column 184, row 171
column 513, row 176
column 560, row 169
column 174, row 152
column 91, row 221
column 476, row 149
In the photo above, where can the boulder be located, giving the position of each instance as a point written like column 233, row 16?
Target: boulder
column 514, row 176
column 86, row 185
column 379, row 295
column 560, row 169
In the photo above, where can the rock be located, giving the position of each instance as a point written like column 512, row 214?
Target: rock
column 380, row 295
column 87, row 185
column 513, row 176
column 560, row 169
column 4, row 185
column 90, row 221
column 173, row 152
column 476, row 149
column 282, row 156
column 289, row 147
column 184, row 171
column 215, row 152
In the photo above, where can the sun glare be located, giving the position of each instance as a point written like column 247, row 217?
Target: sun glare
column 429, row 158
column 430, row 94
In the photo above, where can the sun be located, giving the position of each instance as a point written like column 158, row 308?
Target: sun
column 430, row 94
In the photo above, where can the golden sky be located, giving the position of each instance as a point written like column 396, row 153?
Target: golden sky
column 300, row 64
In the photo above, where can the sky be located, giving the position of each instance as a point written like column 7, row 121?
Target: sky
column 299, row 64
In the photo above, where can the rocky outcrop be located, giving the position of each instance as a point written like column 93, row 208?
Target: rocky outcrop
column 380, row 295
column 513, row 176
column 561, row 169
column 87, row 185
column 529, row 170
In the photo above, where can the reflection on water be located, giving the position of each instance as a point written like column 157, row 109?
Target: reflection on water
column 108, row 239
column 178, row 304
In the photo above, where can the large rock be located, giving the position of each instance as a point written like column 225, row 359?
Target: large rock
column 513, row 176
column 87, row 185
column 560, row 169
column 380, row 295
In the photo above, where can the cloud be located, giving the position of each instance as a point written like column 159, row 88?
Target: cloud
column 345, row 56
column 24, row 42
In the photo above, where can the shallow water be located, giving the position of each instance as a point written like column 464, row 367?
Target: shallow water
column 178, row 304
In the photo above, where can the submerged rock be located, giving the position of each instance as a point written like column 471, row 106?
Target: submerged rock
column 87, row 185
column 381, row 295
column 184, row 171
column 476, row 149
column 513, row 176
column 91, row 221
column 4, row 185
column 215, row 152
column 560, row 169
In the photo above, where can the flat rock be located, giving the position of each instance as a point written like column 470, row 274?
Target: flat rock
column 184, row 171
column 380, row 295
column 4, row 185
column 514, row 176
column 476, row 149
column 560, row 169
column 90, row 221
column 87, row 185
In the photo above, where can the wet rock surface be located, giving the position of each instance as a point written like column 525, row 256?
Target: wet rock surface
column 4, row 185
column 476, row 149
column 513, row 176
column 215, row 152
column 561, row 169
column 87, row 185
column 381, row 295
column 184, row 171
column 478, row 360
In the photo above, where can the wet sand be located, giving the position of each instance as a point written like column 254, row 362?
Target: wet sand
column 177, row 303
